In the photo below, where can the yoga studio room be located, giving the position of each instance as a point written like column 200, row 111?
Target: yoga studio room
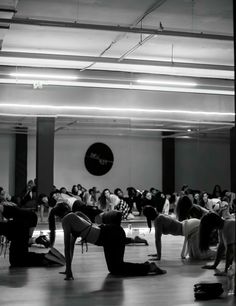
column 118, row 153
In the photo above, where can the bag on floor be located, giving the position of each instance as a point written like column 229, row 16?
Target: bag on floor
column 207, row 291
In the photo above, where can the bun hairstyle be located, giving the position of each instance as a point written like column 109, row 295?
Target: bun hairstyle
column 112, row 217
column 150, row 213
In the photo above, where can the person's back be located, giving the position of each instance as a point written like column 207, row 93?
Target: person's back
column 197, row 211
column 167, row 225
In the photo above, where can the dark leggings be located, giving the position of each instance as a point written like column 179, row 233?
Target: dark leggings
column 19, row 255
column 113, row 240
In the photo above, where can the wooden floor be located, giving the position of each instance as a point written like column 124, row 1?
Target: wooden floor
column 93, row 286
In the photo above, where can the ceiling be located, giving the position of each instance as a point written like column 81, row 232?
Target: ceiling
column 170, row 49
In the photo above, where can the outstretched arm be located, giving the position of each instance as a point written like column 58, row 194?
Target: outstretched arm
column 184, row 251
column 69, row 242
column 158, row 233
column 219, row 255
column 52, row 226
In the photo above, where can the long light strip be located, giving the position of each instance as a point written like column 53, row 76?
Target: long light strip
column 120, row 86
column 43, row 76
column 170, row 83
column 110, row 109
column 142, row 68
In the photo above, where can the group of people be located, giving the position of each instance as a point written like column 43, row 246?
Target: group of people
column 134, row 201
column 101, row 225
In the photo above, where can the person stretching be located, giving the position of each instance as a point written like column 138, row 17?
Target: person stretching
column 227, row 241
column 167, row 225
column 110, row 235
column 94, row 214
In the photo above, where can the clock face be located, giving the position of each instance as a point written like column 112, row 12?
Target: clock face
column 98, row 159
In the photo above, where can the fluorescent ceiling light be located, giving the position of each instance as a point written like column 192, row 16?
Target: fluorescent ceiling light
column 109, row 109
column 70, row 62
column 166, row 82
column 43, row 83
column 43, row 76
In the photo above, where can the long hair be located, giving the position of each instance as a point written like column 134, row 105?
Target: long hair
column 112, row 217
column 131, row 192
column 150, row 213
column 116, row 191
column 183, row 208
column 208, row 223
column 60, row 210
column 102, row 200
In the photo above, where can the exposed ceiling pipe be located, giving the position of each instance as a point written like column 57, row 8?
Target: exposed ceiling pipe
column 139, row 44
column 197, row 131
column 26, row 55
column 115, row 28
column 66, row 126
column 8, row 10
column 122, row 35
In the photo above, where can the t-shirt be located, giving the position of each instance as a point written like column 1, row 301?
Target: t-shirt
column 166, row 225
column 190, row 226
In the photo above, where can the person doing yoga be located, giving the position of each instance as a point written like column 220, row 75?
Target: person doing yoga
column 94, row 214
column 226, row 246
column 25, row 216
column 168, row 225
column 110, row 235
column 17, row 233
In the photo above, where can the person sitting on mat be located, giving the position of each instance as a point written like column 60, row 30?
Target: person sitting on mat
column 26, row 217
column 19, row 256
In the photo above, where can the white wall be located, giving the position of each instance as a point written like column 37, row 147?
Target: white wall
column 202, row 164
column 137, row 162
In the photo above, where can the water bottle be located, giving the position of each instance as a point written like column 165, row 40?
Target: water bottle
column 129, row 232
column 230, row 280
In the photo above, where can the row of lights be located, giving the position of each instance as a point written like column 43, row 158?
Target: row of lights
column 73, row 78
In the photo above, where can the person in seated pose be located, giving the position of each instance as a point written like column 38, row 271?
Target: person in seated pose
column 17, row 233
column 226, row 244
column 24, row 216
column 110, row 235
column 168, row 225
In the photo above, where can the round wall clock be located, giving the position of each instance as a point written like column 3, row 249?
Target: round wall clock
column 98, row 159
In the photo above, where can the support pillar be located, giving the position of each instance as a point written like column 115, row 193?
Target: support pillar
column 45, row 154
column 21, row 149
column 168, row 164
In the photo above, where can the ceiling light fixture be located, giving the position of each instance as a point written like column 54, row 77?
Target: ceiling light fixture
column 43, row 76
column 28, row 57
column 109, row 109
column 167, row 82
column 120, row 86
